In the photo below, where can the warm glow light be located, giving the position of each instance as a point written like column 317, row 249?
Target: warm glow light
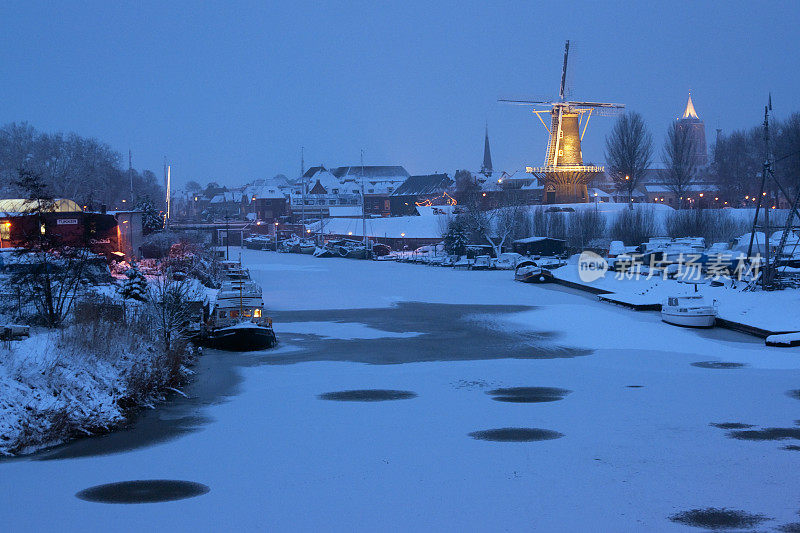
column 764, row 193
column 747, row 197
column 716, row 198
column 276, row 223
column 258, row 223
column 500, row 180
column 701, row 195
column 308, row 231
column 726, row 203
column 123, row 200
column 484, row 194
column 256, row 313
column 627, row 177
column 595, row 194
column 773, row 207
column 349, row 232
column 402, row 234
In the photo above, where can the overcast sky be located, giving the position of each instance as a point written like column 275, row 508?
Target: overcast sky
column 230, row 91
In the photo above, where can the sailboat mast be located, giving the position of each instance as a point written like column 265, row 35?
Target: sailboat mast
column 303, row 184
column 363, row 202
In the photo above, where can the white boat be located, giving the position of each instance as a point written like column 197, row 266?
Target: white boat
column 689, row 310
column 530, row 272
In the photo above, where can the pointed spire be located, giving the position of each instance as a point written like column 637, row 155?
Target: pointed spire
column 690, row 112
column 486, row 168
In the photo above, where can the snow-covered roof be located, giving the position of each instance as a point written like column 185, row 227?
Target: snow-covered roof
column 414, row 227
column 424, row 185
column 24, row 205
column 372, row 172
column 700, row 187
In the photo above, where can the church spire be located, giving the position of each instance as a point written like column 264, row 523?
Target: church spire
column 486, row 168
column 690, row 112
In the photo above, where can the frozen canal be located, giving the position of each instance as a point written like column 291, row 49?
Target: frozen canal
column 412, row 398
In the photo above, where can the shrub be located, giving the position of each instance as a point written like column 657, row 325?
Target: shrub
column 713, row 225
column 585, row 227
column 634, row 226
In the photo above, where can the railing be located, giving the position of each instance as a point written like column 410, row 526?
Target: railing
column 564, row 168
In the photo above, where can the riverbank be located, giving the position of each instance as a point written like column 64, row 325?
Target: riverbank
column 76, row 382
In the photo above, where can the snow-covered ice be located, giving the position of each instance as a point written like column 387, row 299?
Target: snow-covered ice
column 637, row 446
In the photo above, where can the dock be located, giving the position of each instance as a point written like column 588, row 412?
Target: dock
column 651, row 302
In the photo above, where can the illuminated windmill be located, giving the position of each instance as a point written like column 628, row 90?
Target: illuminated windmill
column 564, row 174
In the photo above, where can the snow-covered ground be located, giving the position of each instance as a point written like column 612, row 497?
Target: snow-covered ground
column 636, row 448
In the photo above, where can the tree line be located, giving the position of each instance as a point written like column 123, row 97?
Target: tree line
column 735, row 165
column 78, row 168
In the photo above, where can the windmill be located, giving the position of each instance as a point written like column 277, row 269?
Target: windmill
column 564, row 175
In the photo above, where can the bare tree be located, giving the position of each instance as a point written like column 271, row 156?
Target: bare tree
column 50, row 273
column 629, row 150
column 738, row 159
column 79, row 168
column 679, row 160
column 498, row 226
column 168, row 301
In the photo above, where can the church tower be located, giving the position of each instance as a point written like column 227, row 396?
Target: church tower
column 697, row 130
column 486, row 168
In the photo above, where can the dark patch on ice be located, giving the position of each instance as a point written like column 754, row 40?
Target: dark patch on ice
column 792, row 447
column 719, row 518
column 516, row 434
column 634, row 386
column 718, row 365
column 528, row 394
column 368, row 395
column 731, row 425
column 766, row 434
column 143, row 491
column 448, row 333
column 793, row 527
column 794, row 394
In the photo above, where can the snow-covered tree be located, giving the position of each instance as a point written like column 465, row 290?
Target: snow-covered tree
column 456, row 236
column 135, row 286
column 152, row 220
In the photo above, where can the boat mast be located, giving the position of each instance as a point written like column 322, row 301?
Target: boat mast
column 363, row 203
column 303, row 184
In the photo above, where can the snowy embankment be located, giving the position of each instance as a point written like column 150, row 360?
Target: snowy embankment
column 87, row 377
column 54, row 389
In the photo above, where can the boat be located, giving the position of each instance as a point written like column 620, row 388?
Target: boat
column 530, row 272
column 464, row 263
column 237, row 320
column 689, row 310
column 243, row 336
column 482, row 262
column 323, row 252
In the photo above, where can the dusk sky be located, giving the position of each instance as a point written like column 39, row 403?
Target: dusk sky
column 230, row 91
